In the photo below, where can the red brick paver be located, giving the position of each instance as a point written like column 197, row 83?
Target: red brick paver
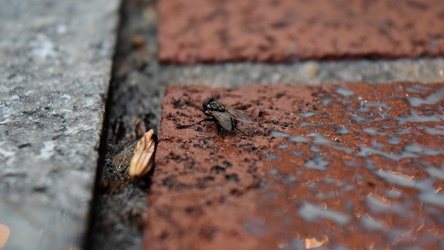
column 348, row 165
column 288, row 30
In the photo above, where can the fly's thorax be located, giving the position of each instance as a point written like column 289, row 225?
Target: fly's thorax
column 212, row 105
column 216, row 106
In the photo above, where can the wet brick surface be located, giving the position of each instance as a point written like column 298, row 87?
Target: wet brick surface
column 289, row 30
column 345, row 166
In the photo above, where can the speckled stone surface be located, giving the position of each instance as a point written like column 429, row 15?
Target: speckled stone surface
column 289, row 30
column 54, row 77
column 336, row 166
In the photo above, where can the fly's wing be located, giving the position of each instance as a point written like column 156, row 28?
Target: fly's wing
column 224, row 119
column 123, row 158
column 239, row 115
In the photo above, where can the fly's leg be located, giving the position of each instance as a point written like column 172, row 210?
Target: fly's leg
column 234, row 123
column 241, row 131
column 190, row 125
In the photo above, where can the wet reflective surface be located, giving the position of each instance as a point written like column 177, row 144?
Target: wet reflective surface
column 371, row 172
column 348, row 166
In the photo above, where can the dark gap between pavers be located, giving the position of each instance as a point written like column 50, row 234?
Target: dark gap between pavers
column 292, row 30
column 345, row 165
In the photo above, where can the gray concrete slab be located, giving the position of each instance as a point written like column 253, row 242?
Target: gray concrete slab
column 55, row 70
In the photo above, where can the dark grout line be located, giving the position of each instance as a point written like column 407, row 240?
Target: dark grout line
column 103, row 147
column 119, row 206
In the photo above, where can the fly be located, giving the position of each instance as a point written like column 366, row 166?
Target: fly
column 225, row 118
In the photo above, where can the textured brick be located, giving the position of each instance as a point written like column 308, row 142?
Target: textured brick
column 289, row 30
column 347, row 165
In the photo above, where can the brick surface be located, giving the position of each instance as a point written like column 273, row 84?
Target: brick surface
column 346, row 165
column 289, row 30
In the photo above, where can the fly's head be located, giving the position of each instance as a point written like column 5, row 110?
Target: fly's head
column 206, row 103
column 209, row 104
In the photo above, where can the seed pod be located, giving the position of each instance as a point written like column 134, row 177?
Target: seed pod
column 143, row 158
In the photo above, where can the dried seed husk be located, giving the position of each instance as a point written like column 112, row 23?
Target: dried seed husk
column 143, row 158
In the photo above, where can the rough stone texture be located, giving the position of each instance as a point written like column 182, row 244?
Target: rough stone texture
column 288, row 30
column 54, row 77
column 338, row 166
